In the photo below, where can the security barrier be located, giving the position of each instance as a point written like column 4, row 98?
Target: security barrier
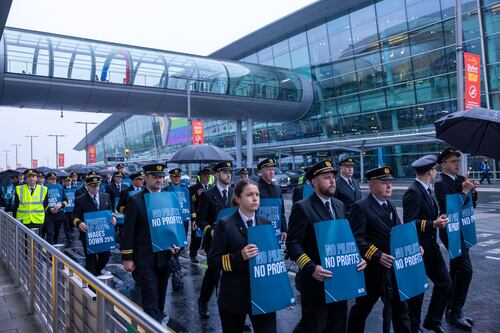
column 63, row 295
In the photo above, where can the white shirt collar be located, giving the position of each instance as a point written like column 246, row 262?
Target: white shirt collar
column 426, row 186
column 452, row 177
column 220, row 188
column 245, row 218
column 324, row 200
column 345, row 178
column 380, row 202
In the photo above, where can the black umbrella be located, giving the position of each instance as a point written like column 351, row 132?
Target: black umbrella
column 74, row 168
column 21, row 170
column 6, row 176
column 44, row 169
column 475, row 131
column 200, row 154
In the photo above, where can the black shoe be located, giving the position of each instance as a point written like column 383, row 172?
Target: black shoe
column 458, row 320
column 467, row 319
column 203, row 310
column 194, row 260
column 434, row 327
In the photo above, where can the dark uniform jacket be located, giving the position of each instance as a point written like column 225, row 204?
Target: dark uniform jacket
column 446, row 185
column 225, row 254
column 420, row 207
column 136, row 243
column 124, row 195
column 345, row 193
column 80, row 191
column 371, row 226
column 301, row 240
column 209, row 205
column 297, row 193
column 272, row 191
column 114, row 192
column 193, row 193
column 85, row 204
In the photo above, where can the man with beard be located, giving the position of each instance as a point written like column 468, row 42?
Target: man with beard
column 211, row 202
column 419, row 206
column 151, row 269
column 317, row 316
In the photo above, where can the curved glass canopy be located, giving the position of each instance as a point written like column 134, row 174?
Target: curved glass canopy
column 49, row 55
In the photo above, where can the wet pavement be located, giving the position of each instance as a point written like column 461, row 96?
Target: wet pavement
column 483, row 303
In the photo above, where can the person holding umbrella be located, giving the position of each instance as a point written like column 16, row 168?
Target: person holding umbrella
column 195, row 192
column 460, row 267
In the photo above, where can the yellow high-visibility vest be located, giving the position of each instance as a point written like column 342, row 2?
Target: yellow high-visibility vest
column 30, row 208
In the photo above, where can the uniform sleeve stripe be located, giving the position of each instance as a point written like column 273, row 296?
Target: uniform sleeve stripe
column 122, row 209
column 76, row 220
column 302, row 260
column 422, row 225
column 206, row 228
column 226, row 263
column 127, row 251
column 371, row 250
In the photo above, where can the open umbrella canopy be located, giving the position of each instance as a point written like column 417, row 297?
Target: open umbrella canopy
column 6, row 176
column 475, row 131
column 44, row 169
column 74, row 168
column 200, row 154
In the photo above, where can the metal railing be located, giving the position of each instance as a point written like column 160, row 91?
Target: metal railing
column 64, row 296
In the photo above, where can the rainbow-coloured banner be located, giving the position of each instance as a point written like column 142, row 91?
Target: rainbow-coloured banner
column 178, row 131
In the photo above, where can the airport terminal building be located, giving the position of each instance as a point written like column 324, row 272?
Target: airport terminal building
column 381, row 73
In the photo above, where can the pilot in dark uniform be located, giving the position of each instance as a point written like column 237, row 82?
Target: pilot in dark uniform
column 270, row 190
column 348, row 190
column 460, row 268
column 317, row 316
column 136, row 186
column 152, row 268
column 91, row 201
column 54, row 215
column 420, row 206
column 371, row 221
column 230, row 253
column 195, row 192
column 209, row 205
column 115, row 187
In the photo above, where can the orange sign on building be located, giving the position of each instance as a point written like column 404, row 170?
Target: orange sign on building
column 198, row 132
column 34, row 164
column 472, row 93
column 60, row 160
column 91, row 154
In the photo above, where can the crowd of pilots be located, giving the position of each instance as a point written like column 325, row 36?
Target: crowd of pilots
column 335, row 195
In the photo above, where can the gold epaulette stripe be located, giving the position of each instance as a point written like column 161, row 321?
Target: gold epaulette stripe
column 127, row 251
column 371, row 250
column 302, row 260
column 226, row 263
column 193, row 214
column 206, row 228
column 422, row 225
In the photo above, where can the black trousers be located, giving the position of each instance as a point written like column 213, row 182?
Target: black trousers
column 319, row 317
column 461, row 276
column 208, row 285
column 435, row 269
column 485, row 175
column 68, row 227
column 378, row 280
column 52, row 226
column 234, row 322
column 194, row 244
column 153, row 283
column 94, row 262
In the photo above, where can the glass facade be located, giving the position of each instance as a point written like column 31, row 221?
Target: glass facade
column 385, row 69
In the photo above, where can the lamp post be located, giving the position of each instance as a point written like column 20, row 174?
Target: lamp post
column 86, row 140
column 31, row 142
column 57, row 136
column 16, row 145
column 6, row 157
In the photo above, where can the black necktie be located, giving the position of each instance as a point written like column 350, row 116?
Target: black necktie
column 351, row 184
column 387, row 209
column 249, row 223
column 429, row 191
column 94, row 198
column 329, row 209
column 224, row 196
column 32, row 189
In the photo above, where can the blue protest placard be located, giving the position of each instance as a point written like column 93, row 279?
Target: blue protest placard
column 408, row 262
column 165, row 220
column 270, row 288
column 8, row 194
column 340, row 255
column 307, row 191
column 69, row 193
column 182, row 194
column 468, row 223
column 454, row 213
column 225, row 213
column 54, row 194
column 270, row 208
column 126, row 182
column 100, row 233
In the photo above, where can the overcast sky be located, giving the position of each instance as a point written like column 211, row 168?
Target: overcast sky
column 190, row 26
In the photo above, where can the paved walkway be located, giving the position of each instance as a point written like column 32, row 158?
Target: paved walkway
column 13, row 308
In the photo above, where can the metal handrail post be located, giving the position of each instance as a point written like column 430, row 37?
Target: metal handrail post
column 102, row 304
column 16, row 257
column 56, row 267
